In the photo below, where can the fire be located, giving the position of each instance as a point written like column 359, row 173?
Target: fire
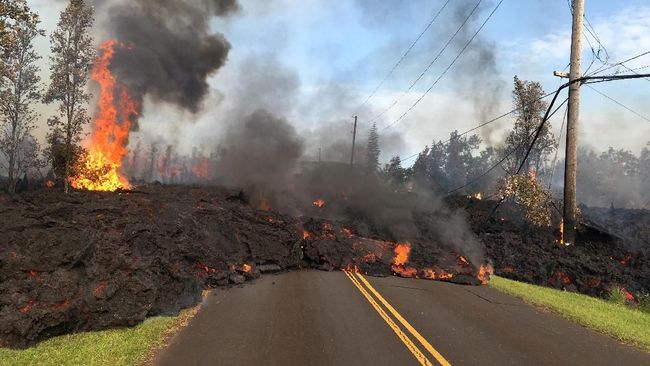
column 320, row 203
column 462, row 261
column 49, row 184
column 562, row 231
column 478, row 196
column 107, row 148
column 402, row 252
column 201, row 168
column 246, row 268
column 484, row 273
column 305, row 235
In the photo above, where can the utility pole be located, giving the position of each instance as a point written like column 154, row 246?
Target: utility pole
column 354, row 141
column 570, row 202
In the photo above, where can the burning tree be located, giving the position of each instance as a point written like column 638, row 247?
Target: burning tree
column 72, row 52
column 19, row 89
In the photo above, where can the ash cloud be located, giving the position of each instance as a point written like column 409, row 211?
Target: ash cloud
column 170, row 50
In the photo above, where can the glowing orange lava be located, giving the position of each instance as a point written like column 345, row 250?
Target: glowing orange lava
column 402, row 252
column 484, row 273
column 107, row 148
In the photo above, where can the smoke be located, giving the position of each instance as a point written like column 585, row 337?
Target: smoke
column 260, row 153
column 478, row 69
column 169, row 50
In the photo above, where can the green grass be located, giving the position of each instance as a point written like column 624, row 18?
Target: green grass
column 127, row 346
column 619, row 321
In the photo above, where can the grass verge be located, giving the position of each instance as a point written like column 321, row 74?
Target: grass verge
column 619, row 321
column 127, row 346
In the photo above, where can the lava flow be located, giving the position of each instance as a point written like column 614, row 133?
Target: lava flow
column 107, row 148
column 402, row 252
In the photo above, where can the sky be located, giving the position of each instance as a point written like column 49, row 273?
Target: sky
column 314, row 62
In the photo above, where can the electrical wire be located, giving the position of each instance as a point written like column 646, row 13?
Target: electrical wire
column 426, row 70
column 619, row 103
column 448, row 67
column 399, row 62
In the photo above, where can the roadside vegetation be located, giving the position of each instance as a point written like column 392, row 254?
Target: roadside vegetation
column 115, row 347
column 612, row 317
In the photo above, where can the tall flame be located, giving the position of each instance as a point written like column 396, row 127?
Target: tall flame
column 110, row 135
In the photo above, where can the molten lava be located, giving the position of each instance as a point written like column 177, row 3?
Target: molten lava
column 402, row 252
column 107, row 148
column 484, row 273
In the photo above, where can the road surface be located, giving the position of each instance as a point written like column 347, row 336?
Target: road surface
column 335, row 318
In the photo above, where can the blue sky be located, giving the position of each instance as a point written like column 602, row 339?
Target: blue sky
column 323, row 57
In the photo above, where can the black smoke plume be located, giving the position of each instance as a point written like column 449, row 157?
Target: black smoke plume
column 169, row 49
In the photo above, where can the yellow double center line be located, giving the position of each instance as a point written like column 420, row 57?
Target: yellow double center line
column 357, row 279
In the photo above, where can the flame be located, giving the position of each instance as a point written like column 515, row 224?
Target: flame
column 305, row 235
column 320, row 203
column 49, row 184
column 478, row 196
column 484, row 273
column 201, row 168
column 107, row 148
column 562, row 231
column 246, row 268
column 402, row 252
column 462, row 261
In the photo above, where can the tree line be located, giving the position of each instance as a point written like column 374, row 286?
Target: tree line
column 21, row 89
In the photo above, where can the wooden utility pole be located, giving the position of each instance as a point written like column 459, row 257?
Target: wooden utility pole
column 354, row 141
column 570, row 202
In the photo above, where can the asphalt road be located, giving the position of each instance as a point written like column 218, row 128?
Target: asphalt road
column 321, row 318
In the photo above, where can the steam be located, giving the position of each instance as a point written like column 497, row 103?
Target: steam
column 169, row 50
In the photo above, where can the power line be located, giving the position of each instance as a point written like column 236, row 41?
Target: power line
column 619, row 103
column 399, row 62
column 426, row 70
column 622, row 62
column 495, row 119
column 448, row 67
column 521, row 144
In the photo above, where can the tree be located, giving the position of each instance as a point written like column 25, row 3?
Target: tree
column 72, row 54
column 13, row 14
column 19, row 90
column 530, row 110
column 372, row 159
column 394, row 173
